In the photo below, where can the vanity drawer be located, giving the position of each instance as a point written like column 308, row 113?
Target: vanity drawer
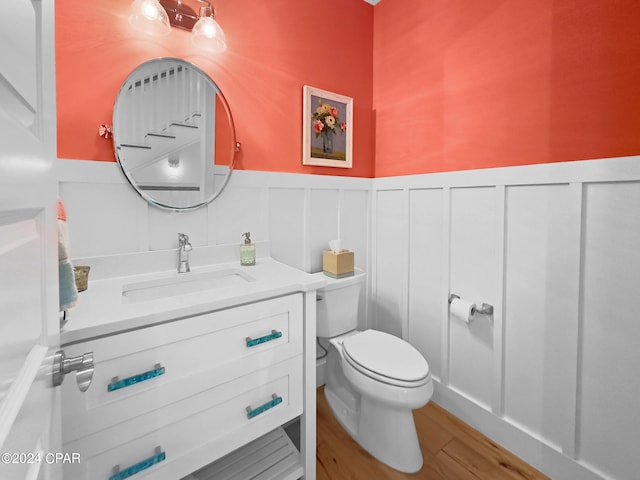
column 195, row 431
column 160, row 365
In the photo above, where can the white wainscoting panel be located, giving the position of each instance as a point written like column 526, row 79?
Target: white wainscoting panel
column 164, row 226
column 237, row 210
column 609, row 424
column 474, row 261
column 555, row 248
column 427, row 290
column 287, row 226
column 101, row 218
column 354, row 224
column 391, row 240
column 354, row 231
column 324, row 223
column 538, row 279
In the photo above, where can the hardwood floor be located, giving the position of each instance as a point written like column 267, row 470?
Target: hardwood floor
column 452, row 450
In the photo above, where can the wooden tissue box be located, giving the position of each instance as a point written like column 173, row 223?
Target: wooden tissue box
column 337, row 265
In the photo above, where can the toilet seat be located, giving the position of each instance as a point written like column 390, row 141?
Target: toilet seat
column 386, row 358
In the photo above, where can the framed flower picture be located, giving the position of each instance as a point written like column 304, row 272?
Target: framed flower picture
column 327, row 128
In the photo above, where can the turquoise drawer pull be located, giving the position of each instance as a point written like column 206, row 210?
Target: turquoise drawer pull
column 138, row 467
column 117, row 384
column 276, row 400
column 252, row 342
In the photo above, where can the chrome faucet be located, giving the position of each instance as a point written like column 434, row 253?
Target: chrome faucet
column 184, row 247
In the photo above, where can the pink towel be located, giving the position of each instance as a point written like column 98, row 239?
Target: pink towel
column 62, row 214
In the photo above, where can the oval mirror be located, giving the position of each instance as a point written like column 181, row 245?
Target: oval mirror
column 174, row 135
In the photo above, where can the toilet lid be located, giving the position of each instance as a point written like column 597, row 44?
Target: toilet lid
column 386, row 355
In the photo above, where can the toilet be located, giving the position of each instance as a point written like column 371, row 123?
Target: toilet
column 373, row 379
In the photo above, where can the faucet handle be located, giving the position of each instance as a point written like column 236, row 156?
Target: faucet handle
column 183, row 239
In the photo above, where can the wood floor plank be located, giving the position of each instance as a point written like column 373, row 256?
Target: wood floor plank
column 452, row 450
column 433, row 437
column 469, row 458
column 452, row 469
column 509, row 465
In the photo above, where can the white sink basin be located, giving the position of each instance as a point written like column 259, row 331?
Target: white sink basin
column 182, row 284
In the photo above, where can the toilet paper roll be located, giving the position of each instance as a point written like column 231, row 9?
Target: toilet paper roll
column 463, row 310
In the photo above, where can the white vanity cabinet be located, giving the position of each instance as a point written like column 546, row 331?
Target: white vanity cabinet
column 169, row 398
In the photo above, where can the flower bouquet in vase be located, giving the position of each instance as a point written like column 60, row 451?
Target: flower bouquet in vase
column 326, row 124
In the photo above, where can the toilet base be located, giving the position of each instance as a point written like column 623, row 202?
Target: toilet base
column 346, row 412
column 390, row 435
column 387, row 433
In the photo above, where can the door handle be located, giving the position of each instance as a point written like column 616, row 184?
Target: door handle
column 82, row 365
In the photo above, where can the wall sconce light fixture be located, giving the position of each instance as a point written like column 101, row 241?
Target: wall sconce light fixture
column 197, row 16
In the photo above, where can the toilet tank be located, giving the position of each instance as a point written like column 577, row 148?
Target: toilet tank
column 337, row 305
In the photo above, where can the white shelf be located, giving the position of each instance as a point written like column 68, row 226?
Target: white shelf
column 271, row 457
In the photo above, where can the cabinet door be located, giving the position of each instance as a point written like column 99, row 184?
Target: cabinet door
column 29, row 329
column 191, row 433
column 161, row 365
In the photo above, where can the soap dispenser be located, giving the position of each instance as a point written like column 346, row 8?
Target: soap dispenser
column 247, row 251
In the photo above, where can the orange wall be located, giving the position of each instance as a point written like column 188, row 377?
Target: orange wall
column 274, row 48
column 471, row 84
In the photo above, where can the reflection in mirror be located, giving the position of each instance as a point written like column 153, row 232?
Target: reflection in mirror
column 173, row 134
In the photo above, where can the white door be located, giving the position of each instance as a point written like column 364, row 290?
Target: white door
column 29, row 322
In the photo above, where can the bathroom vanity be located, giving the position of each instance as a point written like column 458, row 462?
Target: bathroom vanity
column 195, row 373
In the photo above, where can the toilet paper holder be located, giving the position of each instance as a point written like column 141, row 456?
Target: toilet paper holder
column 484, row 309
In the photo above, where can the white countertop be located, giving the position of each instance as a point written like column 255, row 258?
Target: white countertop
column 103, row 310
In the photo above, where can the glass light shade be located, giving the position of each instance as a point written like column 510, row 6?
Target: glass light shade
column 148, row 16
column 207, row 34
